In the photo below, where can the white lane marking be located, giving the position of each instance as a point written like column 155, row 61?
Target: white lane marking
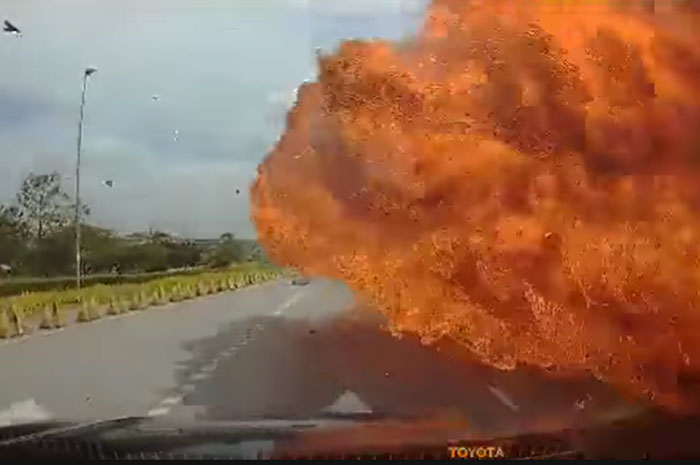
column 348, row 402
column 209, row 368
column 199, row 376
column 173, row 400
column 158, row 411
column 503, row 398
column 163, row 407
column 187, row 387
column 26, row 411
column 289, row 302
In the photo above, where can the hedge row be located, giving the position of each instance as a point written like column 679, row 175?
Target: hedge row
column 17, row 286
column 96, row 301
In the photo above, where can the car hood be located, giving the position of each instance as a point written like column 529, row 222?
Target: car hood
column 649, row 435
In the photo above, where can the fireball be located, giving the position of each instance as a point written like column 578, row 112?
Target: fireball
column 520, row 177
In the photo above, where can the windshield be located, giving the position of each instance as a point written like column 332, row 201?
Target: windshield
column 476, row 213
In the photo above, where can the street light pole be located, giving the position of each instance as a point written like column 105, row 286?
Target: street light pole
column 86, row 75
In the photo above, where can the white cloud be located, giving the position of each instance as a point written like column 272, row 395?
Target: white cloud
column 360, row 7
column 226, row 72
column 187, row 196
column 282, row 98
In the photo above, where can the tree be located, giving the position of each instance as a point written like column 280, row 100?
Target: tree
column 226, row 252
column 101, row 250
column 11, row 246
column 9, row 224
column 160, row 237
column 258, row 254
column 54, row 255
column 181, row 255
column 151, row 257
column 43, row 206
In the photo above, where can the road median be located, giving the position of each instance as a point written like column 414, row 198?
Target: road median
column 29, row 312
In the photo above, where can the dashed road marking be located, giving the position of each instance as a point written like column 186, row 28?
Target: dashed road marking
column 503, row 398
column 208, row 369
column 199, row 376
column 23, row 412
column 158, row 411
column 173, row 400
column 211, row 367
column 288, row 303
column 164, row 406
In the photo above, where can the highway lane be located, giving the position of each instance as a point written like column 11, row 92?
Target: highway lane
column 124, row 365
column 276, row 351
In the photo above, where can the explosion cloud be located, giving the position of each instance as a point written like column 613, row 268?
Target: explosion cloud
column 521, row 177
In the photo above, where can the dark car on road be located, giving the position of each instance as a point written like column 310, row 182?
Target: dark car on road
column 301, row 281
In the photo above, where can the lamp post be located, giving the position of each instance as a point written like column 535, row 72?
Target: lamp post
column 88, row 72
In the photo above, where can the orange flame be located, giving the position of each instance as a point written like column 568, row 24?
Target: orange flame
column 522, row 179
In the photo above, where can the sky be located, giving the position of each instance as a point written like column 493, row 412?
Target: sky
column 224, row 73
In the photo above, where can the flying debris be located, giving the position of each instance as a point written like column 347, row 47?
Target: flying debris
column 176, row 135
column 11, row 29
column 238, row 191
column 108, row 183
column 155, row 97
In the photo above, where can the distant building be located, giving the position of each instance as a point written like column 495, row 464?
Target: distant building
column 137, row 238
column 205, row 242
column 250, row 249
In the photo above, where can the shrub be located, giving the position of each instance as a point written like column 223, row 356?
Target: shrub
column 83, row 315
column 56, row 318
column 207, row 288
column 133, row 303
column 123, row 305
column 17, row 286
column 143, row 299
column 4, row 324
column 93, row 309
column 46, row 318
column 121, row 297
column 112, row 307
column 191, row 292
column 175, row 293
column 17, row 317
column 162, row 295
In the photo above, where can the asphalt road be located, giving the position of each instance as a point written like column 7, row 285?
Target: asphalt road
column 275, row 351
